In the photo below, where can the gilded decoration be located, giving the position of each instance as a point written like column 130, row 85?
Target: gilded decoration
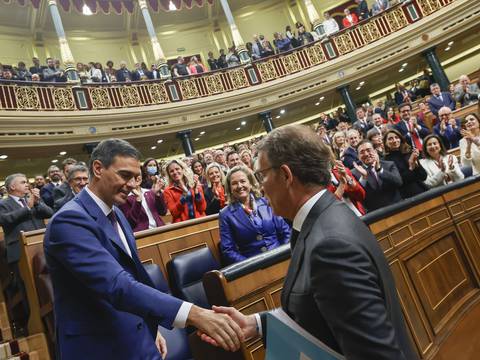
column 27, row 97
column 370, row 32
column 63, row 98
column 344, row 43
column 396, row 19
column 158, row 93
column 291, row 63
column 214, row 84
column 266, row 70
column 188, row 89
column 429, row 6
column 315, row 54
column 100, row 98
column 130, row 95
column 239, row 80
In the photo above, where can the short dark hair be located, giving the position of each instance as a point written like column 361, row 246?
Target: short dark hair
column 107, row 150
column 68, row 161
column 443, row 150
column 402, row 105
column 404, row 147
column 232, row 152
column 300, row 148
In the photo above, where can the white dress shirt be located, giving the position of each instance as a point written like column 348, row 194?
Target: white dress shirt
column 182, row 315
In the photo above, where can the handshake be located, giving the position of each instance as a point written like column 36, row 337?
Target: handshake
column 225, row 327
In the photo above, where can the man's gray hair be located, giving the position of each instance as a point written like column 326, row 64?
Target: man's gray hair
column 10, row 179
column 75, row 169
column 300, row 148
column 51, row 168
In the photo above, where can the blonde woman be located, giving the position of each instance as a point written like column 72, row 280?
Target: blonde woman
column 246, row 158
column 214, row 191
column 184, row 196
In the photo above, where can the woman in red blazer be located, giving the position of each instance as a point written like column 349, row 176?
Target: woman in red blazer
column 346, row 188
column 184, row 196
column 350, row 18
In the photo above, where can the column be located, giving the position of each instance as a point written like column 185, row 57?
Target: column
column 66, row 54
column 267, row 121
column 186, row 137
column 348, row 101
column 437, row 69
column 237, row 38
column 314, row 17
column 157, row 50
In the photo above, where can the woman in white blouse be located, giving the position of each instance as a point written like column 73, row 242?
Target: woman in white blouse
column 470, row 143
column 441, row 168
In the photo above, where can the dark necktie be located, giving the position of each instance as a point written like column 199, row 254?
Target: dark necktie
column 373, row 175
column 293, row 238
column 23, row 202
column 113, row 220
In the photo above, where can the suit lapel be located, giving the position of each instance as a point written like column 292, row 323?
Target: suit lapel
column 298, row 252
column 241, row 216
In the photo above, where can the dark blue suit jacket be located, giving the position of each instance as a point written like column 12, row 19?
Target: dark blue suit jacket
column 105, row 304
column 46, row 193
column 435, row 104
column 402, row 128
column 240, row 239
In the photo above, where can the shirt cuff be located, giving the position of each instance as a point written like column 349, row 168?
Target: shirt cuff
column 259, row 324
column 182, row 315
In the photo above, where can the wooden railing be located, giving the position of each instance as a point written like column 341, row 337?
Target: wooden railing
column 58, row 97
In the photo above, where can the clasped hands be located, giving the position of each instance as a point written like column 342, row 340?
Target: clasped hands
column 225, row 327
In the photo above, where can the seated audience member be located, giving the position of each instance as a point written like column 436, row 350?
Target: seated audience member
column 214, row 190
column 196, row 67
column 7, row 75
column 51, row 73
column 330, row 25
column 349, row 156
column 198, row 168
column 363, row 123
column 281, row 43
column 448, row 128
column 439, row 99
column 123, row 74
column 36, row 77
column 150, row 173
column 77, row 179
column 247, row 159
column 222, row 59
column 350, row 18
column 441, row 168
column 232, row 58
column 321, row 131
column 406, row 160
column 379, row 6
column 339, row 144
column 402, row 95
column 208, row 157
column 362, row 10
column 22, row 72
column 412, row 129
column 39, row 183
column 219, row 158
column 346, row 188
column 36, row 68
column 64, row 188
column 55, row 176
column 248, row 226
column 378, row 124
column 380, row 179
column 465, row 92
column 470, row 144
column 233, row 159
column 144, row 207
column 212, row 62
column 375, row 137
column 184, row 196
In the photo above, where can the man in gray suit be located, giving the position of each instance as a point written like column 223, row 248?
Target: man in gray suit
column 22, row 210
column 339, row 286
column 465, row 92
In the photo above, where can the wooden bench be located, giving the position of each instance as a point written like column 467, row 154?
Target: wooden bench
column 433, row 248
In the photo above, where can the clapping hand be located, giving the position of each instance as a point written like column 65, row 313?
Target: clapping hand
column 450, row 162
column 362, row 171
column 158, row 186
column 412, row 161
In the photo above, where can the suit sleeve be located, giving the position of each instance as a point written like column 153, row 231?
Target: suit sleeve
column 47, row 196
column 390, row 176
column 9, row 217
column 227, row 242
column 131, row 209
column 161, row 204
column 283, row 229
column 84, row 256
column 346, row 290
column 42, row 210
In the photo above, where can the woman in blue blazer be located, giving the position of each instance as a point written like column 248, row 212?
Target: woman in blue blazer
column 248, row 226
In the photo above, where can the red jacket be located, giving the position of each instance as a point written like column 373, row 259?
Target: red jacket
column 347, row 24
column 178, row 210
column 354, row 192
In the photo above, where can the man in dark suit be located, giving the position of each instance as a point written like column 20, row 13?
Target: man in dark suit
column 439, row 99
column 105, row 304
column 77, row 179
column 55, row 176
column 413, row 129
column 362, row 10
column 339, row 286
column 350, row 156
column 363, row 123
column 380, row 179
column 22, row 210
column 64, row 189
column 123, row 74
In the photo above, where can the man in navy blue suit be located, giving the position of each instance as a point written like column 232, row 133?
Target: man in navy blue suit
column 55, row 176
column 413, row 129
column 439, row 99
column 104, row 301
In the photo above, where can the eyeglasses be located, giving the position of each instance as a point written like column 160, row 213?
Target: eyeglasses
column 259, row 174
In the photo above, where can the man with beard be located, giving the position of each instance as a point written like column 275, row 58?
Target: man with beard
column 46, row 192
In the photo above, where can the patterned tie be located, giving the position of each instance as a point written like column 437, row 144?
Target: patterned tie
column 372, row 174
column 23, row 202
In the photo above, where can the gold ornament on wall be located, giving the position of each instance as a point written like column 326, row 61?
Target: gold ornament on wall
column 214, row 84
column 188, row 89
column 158, row 93
column 130, row 95
column 63, row 98
column 27, row 97
column 239, row 80
column 100, row 98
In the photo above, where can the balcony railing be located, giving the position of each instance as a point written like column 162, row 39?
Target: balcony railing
column 24, row 96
